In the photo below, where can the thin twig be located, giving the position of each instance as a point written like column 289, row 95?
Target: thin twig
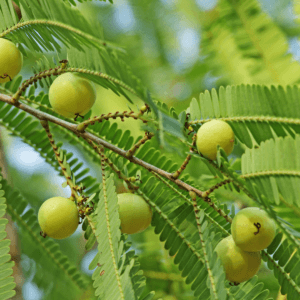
column 182, row 167
column 60, row 161
column 125, row 114
column 132, row 150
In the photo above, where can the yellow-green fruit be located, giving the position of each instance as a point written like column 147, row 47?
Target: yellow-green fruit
column 58, row 217
column 252, row 229
column 212, row 134
column 135, row 213
column 11, row 60
column 72, row 95
column 239, row 265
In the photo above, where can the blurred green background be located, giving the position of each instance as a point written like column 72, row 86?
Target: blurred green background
column 163, row 39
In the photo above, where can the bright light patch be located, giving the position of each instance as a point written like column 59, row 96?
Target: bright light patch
column 24, row 157
column 86, row 260
column 124, row 17
column 294, row 48
column 189, row 41
column 30, row 291
column 27, row 157
column 206, row 4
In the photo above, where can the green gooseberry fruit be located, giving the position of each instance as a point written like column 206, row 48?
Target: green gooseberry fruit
column 212, row 134
column 252, row 229
column 11, row 60
column 135, row 213
column 71, row 95
column 58, row 217
column 238, row 265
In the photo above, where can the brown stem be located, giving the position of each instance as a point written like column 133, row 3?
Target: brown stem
column 111, row 165
column 132, row 150
column 82, row 126
column 47, row 73
column 182, row 167
column 60, row 161
column 73, row 127
column 210, row 190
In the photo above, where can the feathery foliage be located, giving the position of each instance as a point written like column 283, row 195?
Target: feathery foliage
column 241, row 42
column 44, row 22
column 7, row 283
column 254, row 49
column 50, row 257
column 254, row 112
column 115, row 276
column 273, row 168
column 285, row 263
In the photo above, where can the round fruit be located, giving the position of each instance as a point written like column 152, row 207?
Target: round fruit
column 252, row 229
column 11, row 60
column 71, row 95
column 239, row 265
column 212, row 134
column 58, row 217
column 135, row 213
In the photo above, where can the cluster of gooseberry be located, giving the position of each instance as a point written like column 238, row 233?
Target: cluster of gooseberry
column 59, row 217
column 252, row 231
column 71, row 96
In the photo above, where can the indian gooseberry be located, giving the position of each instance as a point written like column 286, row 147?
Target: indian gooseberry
column 252, row 229
column 238, row 265
column 11, row 60
column 135, row 213
column 212, row 134
column 58, row 217
column 71, row 95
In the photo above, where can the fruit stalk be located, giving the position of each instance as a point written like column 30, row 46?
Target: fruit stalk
column 82, row 126
column 47, row 73
column 57, row 155
column 88, row 136
column 111, row 165
column 212, row 204
column 132, row 150
column 216, row 186
column 176, row 174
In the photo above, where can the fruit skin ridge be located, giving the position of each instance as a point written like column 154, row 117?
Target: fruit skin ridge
column 11, row 59
column 247, row 235
column 135, row 213
column 70, row 94
column 239, row 265
column 58, row 217
column 213, row 133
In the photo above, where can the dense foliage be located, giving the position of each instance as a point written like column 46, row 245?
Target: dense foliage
column 162, row 69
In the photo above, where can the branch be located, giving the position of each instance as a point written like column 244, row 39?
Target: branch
column 73, row 127
column 82, row 126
